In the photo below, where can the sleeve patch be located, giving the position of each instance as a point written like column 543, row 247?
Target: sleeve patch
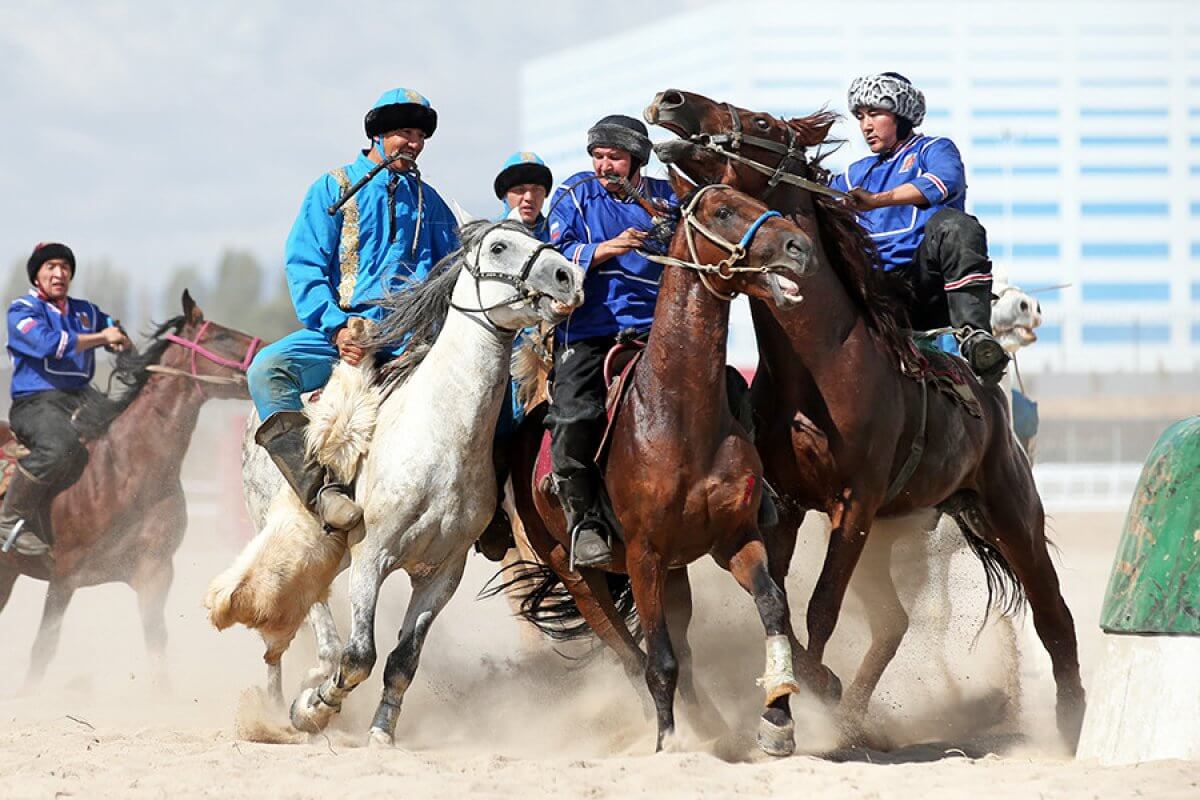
column 26, row 325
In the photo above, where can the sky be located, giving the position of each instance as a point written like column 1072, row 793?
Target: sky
column 154, row 134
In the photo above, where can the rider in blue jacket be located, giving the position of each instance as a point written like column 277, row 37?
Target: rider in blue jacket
column 910, row 195
column 51, row 341
column 595, row 225
column 392, row 230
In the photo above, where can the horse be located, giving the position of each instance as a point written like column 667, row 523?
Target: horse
column 125, row 517
column 426, row 484
column 682, row 476
column 828, row 440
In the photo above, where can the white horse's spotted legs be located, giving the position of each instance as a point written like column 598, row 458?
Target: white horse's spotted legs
column 428, row 599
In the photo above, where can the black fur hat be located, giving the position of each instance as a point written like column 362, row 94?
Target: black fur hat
column 45, row 252
column 627, row 133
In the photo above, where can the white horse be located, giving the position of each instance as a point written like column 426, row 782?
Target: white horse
column 426, row 485
column 1015, row 315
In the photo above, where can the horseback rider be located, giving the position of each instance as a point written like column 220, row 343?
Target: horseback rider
column 597, row 226
column 911, row 194
column 521, row 186
column 395, row 228
column 51, row 338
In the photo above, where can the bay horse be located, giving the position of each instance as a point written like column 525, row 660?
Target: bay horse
column 125, row 517
column 682, row 475
column 849, row 425
column 426, row 484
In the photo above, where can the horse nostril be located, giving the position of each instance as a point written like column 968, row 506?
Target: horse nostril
column 796, row 248
column 562, row 277
column 671, row 99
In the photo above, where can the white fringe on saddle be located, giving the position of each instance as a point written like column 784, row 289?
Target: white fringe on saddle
column 342, row 420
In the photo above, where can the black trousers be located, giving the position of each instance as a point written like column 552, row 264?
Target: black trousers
column 576, row 415
column 42, row 422
column 954, row 248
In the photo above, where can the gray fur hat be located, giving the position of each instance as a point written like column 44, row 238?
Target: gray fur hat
column 890, row 91
column 618, row 130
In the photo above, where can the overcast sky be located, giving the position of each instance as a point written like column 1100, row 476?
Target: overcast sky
column 154, row 134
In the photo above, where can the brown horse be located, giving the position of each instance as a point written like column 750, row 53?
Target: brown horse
column 682, row 474
column 123, row 520
column 850, row 425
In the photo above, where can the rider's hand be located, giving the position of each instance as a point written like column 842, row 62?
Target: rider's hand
column 862, row 199
column 115, row 338
column 628, row 239
column 350, row 350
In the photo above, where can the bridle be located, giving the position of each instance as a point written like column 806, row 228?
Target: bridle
column 727, row 267
column 199, row 350
column 727, row 145
column 521, row 290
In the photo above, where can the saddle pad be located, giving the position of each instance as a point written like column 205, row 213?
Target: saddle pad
column 949, row 374
column 10, row 451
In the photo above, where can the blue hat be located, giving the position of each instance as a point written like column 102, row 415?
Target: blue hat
column 400, row 108
column 522, row 167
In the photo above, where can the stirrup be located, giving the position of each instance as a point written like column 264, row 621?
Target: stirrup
column 16, row 531
column 604, row 533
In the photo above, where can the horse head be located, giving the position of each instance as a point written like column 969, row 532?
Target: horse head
column 211, row 354
column 721, row 143
column 738, row 245
column 517, row 280
column 1015, row 315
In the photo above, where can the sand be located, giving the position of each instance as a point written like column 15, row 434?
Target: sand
column 493, row 715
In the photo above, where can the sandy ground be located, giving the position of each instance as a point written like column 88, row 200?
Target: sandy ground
column 493, row 715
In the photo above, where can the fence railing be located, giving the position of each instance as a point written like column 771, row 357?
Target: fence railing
column 1086, row 486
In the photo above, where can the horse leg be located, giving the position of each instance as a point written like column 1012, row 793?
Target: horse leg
column 58, row 596
column 851, row 522
column 888, row 621
column 709, row 722
column 8, row 577
column 329, row 643
column 152, row 582
column 429, row 597
column 780, row 542
column 1016, row 526
column 748, row 565
column 647, row 572
column 314, row 707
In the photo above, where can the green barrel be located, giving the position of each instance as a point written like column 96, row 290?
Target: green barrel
column 1155, row 583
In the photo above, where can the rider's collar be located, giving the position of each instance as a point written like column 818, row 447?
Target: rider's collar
column 900, row 148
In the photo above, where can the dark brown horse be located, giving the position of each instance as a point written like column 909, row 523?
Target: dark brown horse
column 849, row 424
column 123, row 520
column 682, row 474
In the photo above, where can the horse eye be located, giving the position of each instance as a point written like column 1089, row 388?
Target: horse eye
column 1024, row 306
column 762, row 123
column 724, row 212
column 498, row 248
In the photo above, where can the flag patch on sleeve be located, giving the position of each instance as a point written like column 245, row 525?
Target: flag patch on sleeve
column 26, row 325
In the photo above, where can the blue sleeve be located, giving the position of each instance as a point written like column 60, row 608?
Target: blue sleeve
column 942, row 176
column 30, row 335
column 444, row 239
column 568, row 231
column 840, row 182
column 311, row 259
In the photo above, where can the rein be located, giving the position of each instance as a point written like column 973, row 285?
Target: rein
column 517, row 282
column 727, row 267
column 727, row 145
column 216, row 358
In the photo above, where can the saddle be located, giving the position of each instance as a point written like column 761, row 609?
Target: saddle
column 948, row 374
column 11, row 451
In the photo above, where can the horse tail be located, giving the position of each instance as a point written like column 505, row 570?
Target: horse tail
column 1005, row 593
column 547, row 604
column 342, row 420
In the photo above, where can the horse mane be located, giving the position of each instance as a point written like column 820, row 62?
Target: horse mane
column 417, row 309
column 128, row 378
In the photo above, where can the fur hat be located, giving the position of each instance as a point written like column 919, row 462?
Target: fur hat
column 520, row 168
column 46, row 251
column 890, row 91
column 400, row 108
column 626, row 133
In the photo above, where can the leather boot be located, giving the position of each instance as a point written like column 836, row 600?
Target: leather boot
column 282, row 435
column 25, row 518
column 591, row 535
column 971, row 313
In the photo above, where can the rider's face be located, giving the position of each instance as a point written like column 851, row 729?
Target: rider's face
column 607, row 160
column 410, row 141
column 53, row 279
column 527, row 199
column 878, row 127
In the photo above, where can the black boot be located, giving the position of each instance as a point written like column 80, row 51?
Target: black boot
column 25, row 518
column 591, row 535
column 971, row 313
column 282, row 435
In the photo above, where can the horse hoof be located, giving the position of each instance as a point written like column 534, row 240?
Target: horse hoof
column 379, row 739
column 776, row 740
column 310, row 713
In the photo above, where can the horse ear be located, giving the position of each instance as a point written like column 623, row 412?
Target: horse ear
column 191, row 311
column 679, row 184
